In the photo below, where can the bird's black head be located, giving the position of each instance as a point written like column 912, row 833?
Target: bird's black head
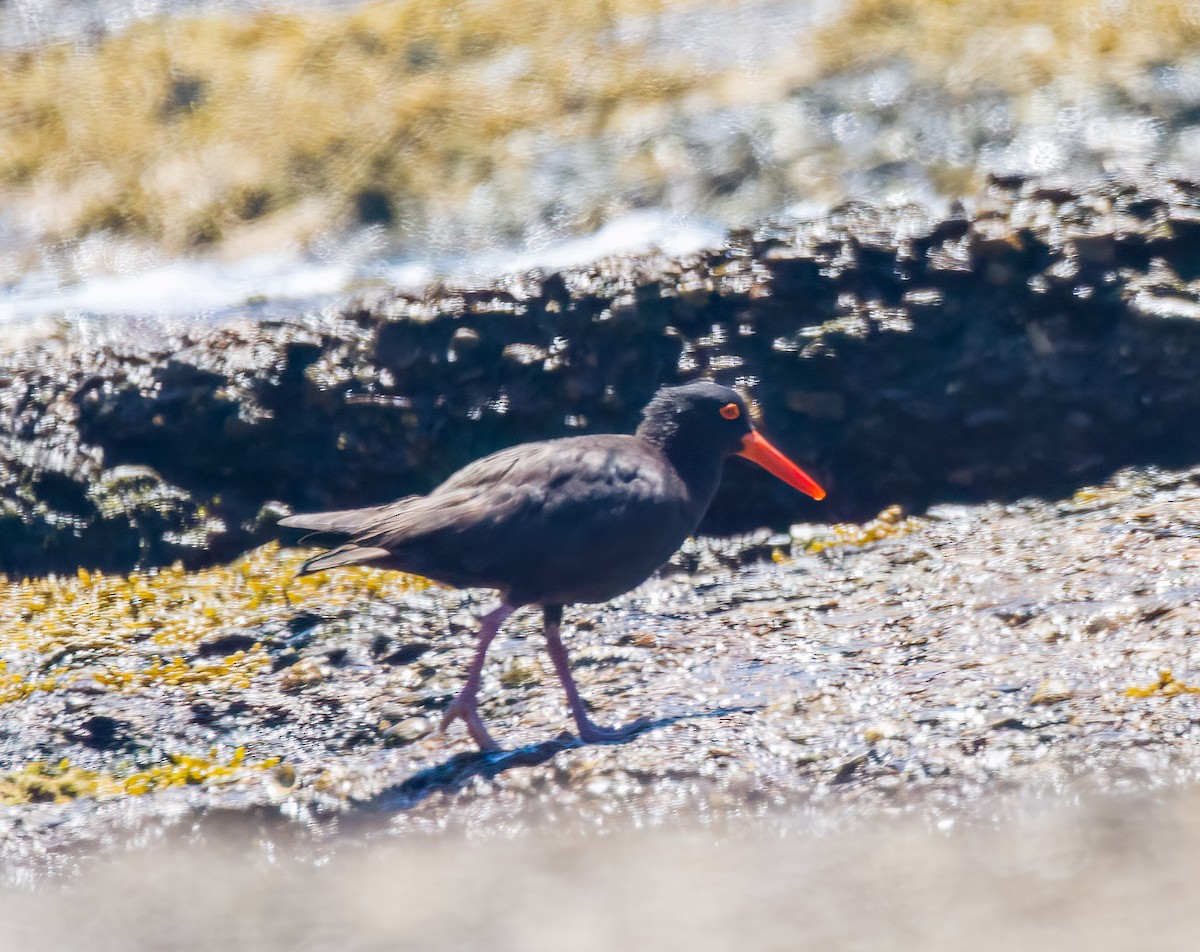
column 698, row 417
column 699, row 424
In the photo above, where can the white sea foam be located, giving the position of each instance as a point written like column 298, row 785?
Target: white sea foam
column 185, row 286
column 116, row 285
column 640, row 231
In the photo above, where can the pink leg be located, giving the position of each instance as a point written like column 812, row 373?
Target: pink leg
column 464, row 706
column 589, row 733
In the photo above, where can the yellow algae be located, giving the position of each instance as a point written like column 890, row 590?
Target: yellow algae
column 887, row 525
column 1165, row 686
column 63, row 781
column 519, row 673
column 235, row 671
column 187, row 129
column 16, row 686
column 1015, row 45
column 41, row 782
column 69, row 627
column 1098, row 497
column 182, row 770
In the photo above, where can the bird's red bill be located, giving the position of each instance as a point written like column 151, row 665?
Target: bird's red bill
column 757, row 449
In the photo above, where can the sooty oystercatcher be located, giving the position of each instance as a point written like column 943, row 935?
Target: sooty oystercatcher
column 577, row 519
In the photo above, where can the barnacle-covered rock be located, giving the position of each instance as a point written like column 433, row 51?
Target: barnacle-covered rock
column 1039, row 342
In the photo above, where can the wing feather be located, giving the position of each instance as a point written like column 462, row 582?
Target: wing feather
column 537, row 514
column 343, row 555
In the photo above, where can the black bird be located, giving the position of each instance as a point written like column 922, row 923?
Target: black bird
column 578, row 519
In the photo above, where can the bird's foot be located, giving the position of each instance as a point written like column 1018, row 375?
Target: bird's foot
column 464, row 708
column 591, row 733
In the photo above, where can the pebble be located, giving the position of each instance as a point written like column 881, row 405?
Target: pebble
column 303, row 674
column 408, row 730
column 1051, row 691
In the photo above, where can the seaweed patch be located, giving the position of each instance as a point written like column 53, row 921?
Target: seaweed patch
column 62, row 781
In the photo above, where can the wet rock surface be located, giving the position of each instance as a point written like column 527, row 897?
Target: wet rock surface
column 923, row 665
column 1041, row 341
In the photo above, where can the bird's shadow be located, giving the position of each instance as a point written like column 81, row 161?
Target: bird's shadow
column 457, row 771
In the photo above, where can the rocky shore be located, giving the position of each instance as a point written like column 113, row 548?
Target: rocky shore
column 932, row 666
column 1041, row 342
column 993, row 631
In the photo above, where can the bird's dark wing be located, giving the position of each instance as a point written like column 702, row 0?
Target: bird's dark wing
column 576, row 519
column 494, row 469
column 513, row 492
column 542, row 519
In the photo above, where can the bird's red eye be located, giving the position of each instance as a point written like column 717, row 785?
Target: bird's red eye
column 731, row 411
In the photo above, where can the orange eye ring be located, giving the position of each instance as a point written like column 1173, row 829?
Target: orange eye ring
column 731, row 411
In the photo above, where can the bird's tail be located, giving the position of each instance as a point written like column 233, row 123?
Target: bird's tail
column 344, row 522
column 340, row 525
column 349, row 554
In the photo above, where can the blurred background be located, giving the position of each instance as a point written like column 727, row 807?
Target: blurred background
column 1106, row 877
column 198, row 155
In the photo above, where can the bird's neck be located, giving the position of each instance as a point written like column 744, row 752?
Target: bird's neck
column 698, row 467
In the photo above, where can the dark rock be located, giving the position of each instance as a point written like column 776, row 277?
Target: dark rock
column 408, row 652
column 100, row 732
column 225, row 644
column 284, row 659
column 1043, row 343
